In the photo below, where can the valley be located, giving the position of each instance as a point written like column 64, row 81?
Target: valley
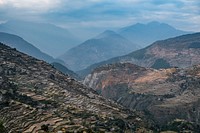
column 98, row 66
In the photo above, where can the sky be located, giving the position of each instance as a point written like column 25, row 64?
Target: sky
column 98, row 15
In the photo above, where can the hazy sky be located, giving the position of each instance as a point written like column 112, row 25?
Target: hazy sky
column 104, row 14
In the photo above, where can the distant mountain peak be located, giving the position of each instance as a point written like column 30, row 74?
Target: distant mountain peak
column 150, row 24
column 145, row 34
column 153, row 23
column 106, row 34
column 106, row 45
column 159, row 24
column 109, row 32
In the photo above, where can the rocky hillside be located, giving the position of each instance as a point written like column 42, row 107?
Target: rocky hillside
column 105, row 46
column 35, row 97
column 165, row 95
column 182, row 51
column 145, row 34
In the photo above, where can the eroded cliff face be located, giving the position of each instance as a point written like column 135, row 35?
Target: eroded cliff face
column 35, row 97
column 165, row 94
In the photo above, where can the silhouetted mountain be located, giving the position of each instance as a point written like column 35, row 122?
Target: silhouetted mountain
column 145, row 34
column 24, row 46
column 106, row 45
column 35, row 97
column 182, row 51
column 49, row 38
column 65, row 70
column 165, row 95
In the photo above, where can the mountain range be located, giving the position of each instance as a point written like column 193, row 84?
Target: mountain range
column 49, row 38
column 104, row 46
column 182, row 51
column 145, row 34
column 153, row 89
column 55, row 41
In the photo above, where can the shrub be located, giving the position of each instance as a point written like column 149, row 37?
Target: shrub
column 45, row 127
column 2, row 128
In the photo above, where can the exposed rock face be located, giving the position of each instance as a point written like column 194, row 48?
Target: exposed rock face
column 34, row 97
column 165, row 94
column 182, row 51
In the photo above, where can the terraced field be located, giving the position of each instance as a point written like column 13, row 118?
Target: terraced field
column 35, row 97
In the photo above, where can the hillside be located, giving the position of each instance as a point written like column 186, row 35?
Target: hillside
column 182, row 51
column 48, row 38
column 35, row 97
column 145, row 34
column 165, row 95
column 105, row 46
column 20, row 44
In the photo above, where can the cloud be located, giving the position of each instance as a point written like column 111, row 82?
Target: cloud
column 184, row 14
column 34, row 6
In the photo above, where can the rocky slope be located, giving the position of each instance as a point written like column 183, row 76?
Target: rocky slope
column 165, row 95
column 182, row 51
column 35, row 97
column 145, row 34
column 105, row 46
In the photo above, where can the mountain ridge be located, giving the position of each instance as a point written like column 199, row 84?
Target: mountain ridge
column 181, row 51
column 104, row 46
column 24, row 46
column 49, row 38
column 145, row 34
